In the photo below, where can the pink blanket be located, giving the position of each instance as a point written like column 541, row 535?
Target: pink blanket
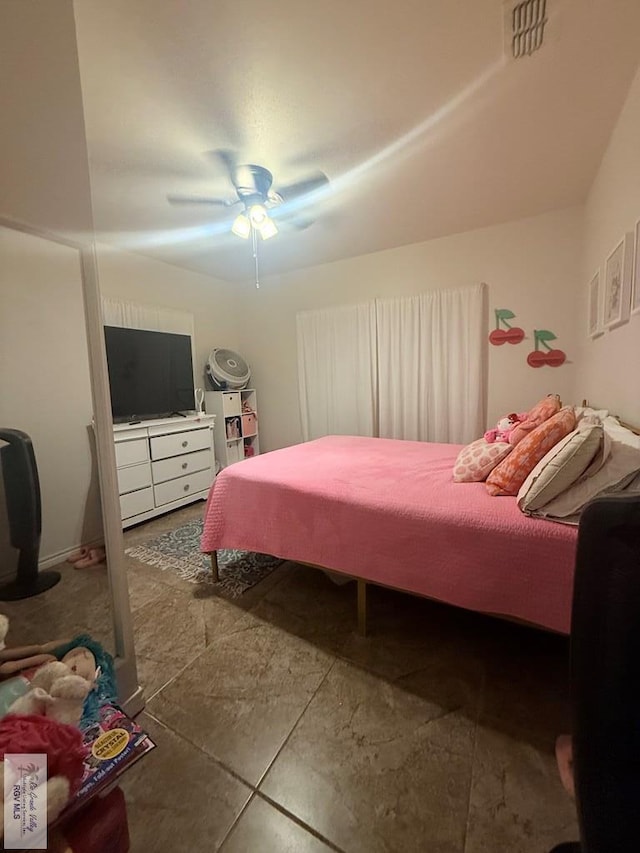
column 389, row 512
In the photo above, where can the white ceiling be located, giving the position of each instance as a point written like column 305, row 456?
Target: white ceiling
column 410, row 108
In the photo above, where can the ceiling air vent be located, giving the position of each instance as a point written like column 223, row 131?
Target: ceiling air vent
column 525, row 21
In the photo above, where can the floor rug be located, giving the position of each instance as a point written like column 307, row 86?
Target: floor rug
column 179, row 551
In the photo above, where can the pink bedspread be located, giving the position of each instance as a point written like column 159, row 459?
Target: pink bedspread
column 389, row 512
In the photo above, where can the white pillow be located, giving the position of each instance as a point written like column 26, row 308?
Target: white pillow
column 619, row 469
column 617, row 432
column 634, row 485
column 561, row 467
column 588, row 412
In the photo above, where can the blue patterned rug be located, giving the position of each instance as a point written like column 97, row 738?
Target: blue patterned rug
column 179, row 551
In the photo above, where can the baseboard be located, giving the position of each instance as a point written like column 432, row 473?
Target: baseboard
column 53, row 559
column 134, row 703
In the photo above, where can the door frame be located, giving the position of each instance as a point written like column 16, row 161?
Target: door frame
column 130, row 693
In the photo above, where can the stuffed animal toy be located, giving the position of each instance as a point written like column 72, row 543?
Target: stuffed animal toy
column 14, row 662
column 84, row 657
column 504, row 428
column 17, row 658
column 105, row 691
column 59, row 689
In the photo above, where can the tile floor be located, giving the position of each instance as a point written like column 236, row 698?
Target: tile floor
column 280, row 730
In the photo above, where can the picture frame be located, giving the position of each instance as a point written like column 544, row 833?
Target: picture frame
column 617, row 283
column 635, row 292
column 594, row 325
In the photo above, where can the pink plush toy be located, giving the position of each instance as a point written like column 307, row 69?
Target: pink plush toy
column 504, row 428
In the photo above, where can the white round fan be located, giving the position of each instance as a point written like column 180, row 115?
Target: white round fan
column 227, row 370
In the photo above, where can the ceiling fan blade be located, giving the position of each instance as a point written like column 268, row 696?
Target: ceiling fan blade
column 228, row 159
column 199, row 199
column 297, row 200
column 314, row 182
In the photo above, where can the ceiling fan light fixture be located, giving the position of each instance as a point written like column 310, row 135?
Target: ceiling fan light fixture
column 268, row 228
column 241, row 226
column 257, row 215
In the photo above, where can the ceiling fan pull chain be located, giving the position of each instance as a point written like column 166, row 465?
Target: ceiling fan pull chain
column 254, row 240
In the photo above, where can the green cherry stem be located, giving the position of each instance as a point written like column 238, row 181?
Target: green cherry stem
column 541, row 336
column 499, row 312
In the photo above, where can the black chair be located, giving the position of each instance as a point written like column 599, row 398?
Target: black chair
column 605, row 677
column 22, row 495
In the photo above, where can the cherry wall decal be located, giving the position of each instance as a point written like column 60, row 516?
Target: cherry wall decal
column 539, row 357
column 508, row 335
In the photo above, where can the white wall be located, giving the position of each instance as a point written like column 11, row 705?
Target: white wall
column 608, row 366
column 44, row 183
column 45, row 382
column 44, row 176
column 532, row 266
column 214, row 303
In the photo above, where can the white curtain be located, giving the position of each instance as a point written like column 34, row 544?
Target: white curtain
column 337, row 375
column 409, row 368
column 133, row 315
column 431, row 365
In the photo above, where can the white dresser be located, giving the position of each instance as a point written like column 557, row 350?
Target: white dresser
column 163, row 464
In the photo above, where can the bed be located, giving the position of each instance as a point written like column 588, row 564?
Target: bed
column 388, row 512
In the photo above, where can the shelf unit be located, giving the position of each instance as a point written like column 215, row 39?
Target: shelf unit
column 163, row 464
column 237, row 416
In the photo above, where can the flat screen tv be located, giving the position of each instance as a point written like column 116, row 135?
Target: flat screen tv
column 150, row 373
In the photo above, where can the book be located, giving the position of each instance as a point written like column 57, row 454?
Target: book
column 114, row 743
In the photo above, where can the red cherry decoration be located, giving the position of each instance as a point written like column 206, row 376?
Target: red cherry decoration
column 536, row 359
column 498, row 337
column 556, row 357
column 514, row 335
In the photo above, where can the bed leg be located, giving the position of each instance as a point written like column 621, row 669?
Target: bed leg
column 214, row 566
column 362, row 608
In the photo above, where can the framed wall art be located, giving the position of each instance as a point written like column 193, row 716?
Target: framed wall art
column 635, row 296
column 595, row 307
column 617, row 283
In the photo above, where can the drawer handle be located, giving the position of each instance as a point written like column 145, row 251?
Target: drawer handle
column 184, row 443
column 184, row 466
column 186, row 487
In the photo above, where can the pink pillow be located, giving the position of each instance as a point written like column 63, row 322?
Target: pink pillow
column 541, row 412
column 511, row 473
column 477, row 460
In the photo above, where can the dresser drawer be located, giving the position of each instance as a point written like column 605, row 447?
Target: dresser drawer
column 173, row 490
column 134, row 477
column 136, row 502
column 131, row 452
column 179, row 466
column 163, row 446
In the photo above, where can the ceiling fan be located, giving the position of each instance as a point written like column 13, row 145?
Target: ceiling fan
column 261, row 204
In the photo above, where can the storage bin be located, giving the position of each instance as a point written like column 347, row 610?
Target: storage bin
column 249, row 425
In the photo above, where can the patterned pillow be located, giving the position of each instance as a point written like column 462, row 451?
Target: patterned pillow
column 511, row 473
column 477, row 460
column 541, row 412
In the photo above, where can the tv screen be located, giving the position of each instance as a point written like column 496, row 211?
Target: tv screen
column 150, row 373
